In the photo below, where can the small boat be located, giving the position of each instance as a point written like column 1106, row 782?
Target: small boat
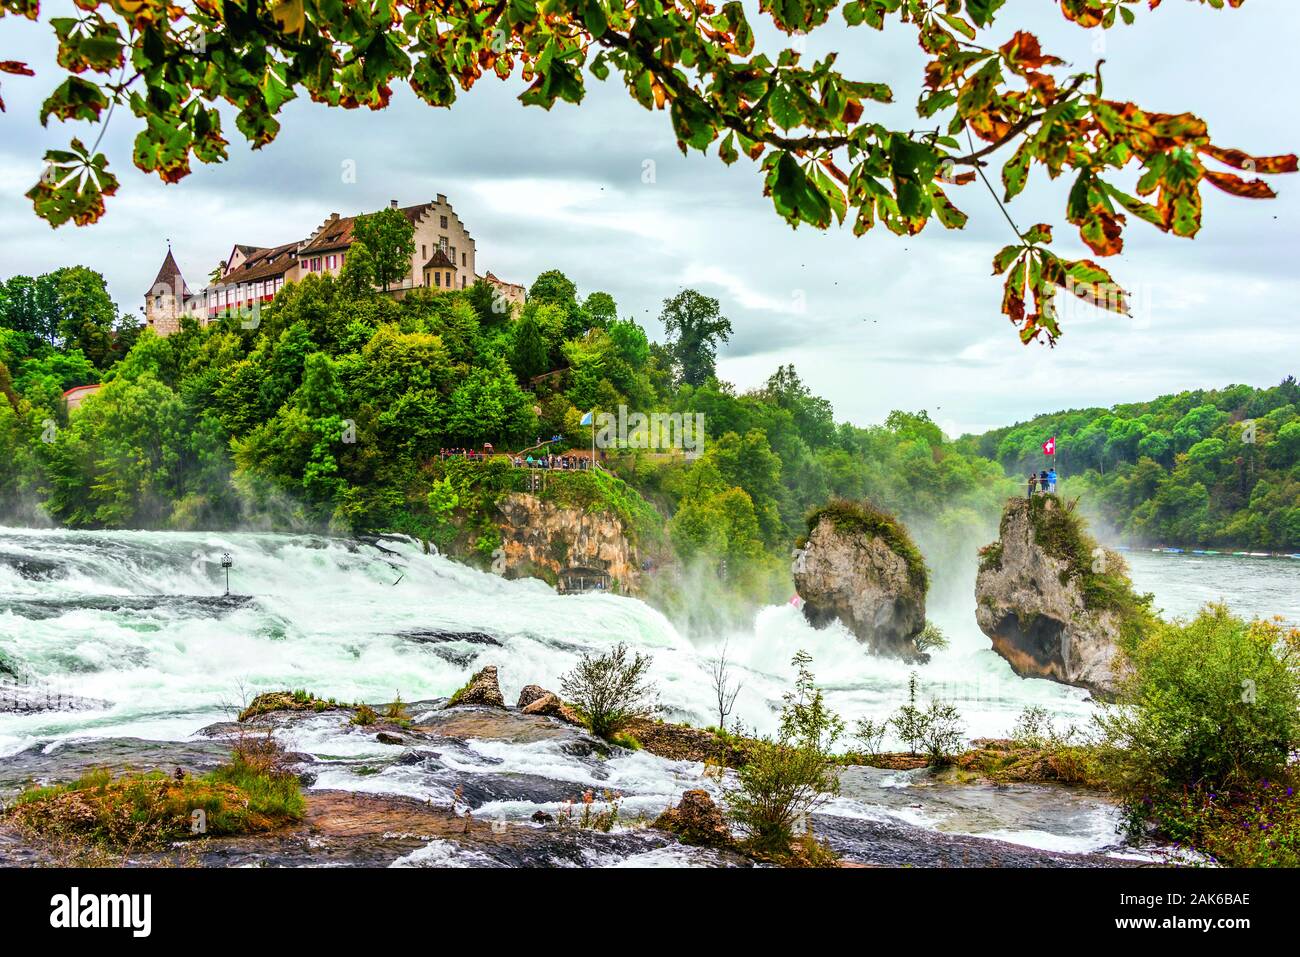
column 1173, row 551
column 1260, row 555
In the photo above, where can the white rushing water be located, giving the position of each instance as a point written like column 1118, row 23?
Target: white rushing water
column 132, row 620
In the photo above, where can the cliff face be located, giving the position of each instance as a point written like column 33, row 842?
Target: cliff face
column 859, row 566
column 540, row 539
column 1054, row 604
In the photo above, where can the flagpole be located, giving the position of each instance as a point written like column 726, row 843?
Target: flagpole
column 592, row 413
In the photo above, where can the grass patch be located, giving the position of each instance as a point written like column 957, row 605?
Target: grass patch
column 253, row 792
column 298, row 700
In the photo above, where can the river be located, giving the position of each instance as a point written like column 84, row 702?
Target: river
column 133, row 629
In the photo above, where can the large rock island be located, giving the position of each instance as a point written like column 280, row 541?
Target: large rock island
column 859, row 565
column 1055, row 604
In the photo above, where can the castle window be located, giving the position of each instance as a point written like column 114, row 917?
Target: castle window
column 424, row 251
column 437, row 279
column 448, row 280
column 463, row 260
column 444, row 221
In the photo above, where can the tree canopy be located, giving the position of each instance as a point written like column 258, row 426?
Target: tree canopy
column 822, row 153
column 694, row 324
column 389, row 241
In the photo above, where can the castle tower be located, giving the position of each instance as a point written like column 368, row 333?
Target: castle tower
column 167, row 299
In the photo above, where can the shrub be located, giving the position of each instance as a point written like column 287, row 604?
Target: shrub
column 942, row 732
column 611, row 690
column 787, row 777
column 931, row 638
column 871, row 735
column 936, row 731
column 909, row 722
column 396, row 712
column 1033, row 729
column 365, row 715
column 1211, row 705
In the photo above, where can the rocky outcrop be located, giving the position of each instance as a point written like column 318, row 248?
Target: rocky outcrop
column 273, row 701
column 1055, row 604
column 696, row 820
column 541, row 539
column 678, row 742
column 549, row 705
column 482, row 689
column 858, row 565
column 530, row 694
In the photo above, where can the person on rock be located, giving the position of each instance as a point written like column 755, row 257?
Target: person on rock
column 1033, row 484
column 1042, row 480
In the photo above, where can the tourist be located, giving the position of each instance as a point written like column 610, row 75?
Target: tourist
column 1042, row 480
column 1033, row 484
column 1051, row 479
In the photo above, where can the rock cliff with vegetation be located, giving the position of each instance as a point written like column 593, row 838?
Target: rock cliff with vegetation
column 1055, row 604
column 525, row 523
column 859, row 565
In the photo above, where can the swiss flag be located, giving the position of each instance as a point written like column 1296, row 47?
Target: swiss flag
column 1049, row 447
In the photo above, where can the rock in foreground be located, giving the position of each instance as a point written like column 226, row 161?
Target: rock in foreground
column 1054, row 603
column 696, row 820
column 482, row 689
column 859, row 565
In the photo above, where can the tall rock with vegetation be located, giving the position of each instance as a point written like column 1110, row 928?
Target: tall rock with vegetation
column 859, row 565
column 1055, row 604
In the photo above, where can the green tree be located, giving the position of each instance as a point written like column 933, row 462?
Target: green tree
column 529, row 355
column 694, row 325
column 389, row 239
column 601, row 308
column 489, row 405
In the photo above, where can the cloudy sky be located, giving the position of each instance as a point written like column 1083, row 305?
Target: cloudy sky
column 873, row 324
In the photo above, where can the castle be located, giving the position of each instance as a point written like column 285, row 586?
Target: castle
column 444, row 259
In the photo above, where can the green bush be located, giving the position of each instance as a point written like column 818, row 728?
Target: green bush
column 790, row 775
column 935, row 731
column 1210, row 705
column 611, row 690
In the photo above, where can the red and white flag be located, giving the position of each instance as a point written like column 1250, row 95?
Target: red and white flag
column 1049, row 447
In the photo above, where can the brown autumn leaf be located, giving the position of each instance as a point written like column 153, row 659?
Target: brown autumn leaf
column 1023, row 51
column 1239, row 159
column 1248, row 188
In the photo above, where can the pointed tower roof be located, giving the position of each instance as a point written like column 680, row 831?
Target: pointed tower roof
column 169, row 276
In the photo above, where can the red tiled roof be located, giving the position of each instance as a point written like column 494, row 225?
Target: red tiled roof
column 263, row 264
column 168, row 274
column 336, row 232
